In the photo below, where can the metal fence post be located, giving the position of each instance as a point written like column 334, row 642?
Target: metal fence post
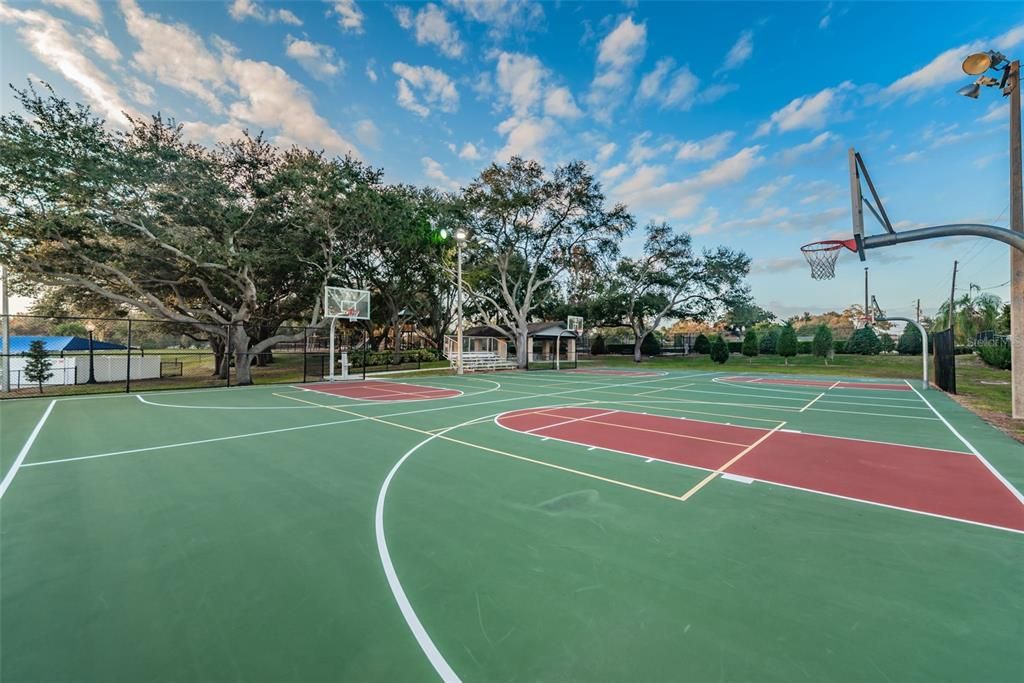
column 128, row 366
column 366, row 343
column 305, row 352
column 227, row 356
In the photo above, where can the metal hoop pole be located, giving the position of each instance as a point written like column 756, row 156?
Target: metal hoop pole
column 330, row 372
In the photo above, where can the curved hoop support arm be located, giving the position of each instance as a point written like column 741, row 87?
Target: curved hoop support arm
column 1014, row 239
column 924, row 345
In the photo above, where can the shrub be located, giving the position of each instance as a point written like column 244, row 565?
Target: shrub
column 910, row 341
column 995, row 353
column 650, row 346
column 770, row 341
column 864, row 342
column 822, row 345
column 888, row 345
column 597, row 346
column 786, row 346
column 719, row 350
column 701, row 344
column 38, row 367
column 839, row 345
column 750, row 346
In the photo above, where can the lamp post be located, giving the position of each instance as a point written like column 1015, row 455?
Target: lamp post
column 92, row 375
column 976, row 65
column 460, row 240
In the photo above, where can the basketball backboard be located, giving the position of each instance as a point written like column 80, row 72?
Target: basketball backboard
column 342, row 302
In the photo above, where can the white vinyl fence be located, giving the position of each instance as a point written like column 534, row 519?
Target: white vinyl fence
column 75, row 369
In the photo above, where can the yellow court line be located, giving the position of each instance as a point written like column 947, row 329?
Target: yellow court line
column 707, row 480
column 542, row 463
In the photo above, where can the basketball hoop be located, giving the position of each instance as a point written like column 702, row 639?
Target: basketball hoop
column 822, row 256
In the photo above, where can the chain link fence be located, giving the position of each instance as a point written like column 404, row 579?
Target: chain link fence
column 88, row 355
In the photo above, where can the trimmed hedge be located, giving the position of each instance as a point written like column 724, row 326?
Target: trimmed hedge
column 995, row 353
column 374, row 358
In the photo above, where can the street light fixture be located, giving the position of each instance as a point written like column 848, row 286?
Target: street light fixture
column 460, row 241
column 1009, row 82
column 90, row 327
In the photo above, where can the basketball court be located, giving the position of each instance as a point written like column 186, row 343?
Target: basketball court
column 520, row 525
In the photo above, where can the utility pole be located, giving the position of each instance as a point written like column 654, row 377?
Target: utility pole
column 866, row 296
column 918, row 316
column 952, row 293
column 1016, row 256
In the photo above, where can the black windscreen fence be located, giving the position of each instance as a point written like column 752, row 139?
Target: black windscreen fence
column 944, row 349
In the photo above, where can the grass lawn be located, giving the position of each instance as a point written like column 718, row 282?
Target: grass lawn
column 983, row 389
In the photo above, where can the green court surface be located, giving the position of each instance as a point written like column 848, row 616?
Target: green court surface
column 542, row 526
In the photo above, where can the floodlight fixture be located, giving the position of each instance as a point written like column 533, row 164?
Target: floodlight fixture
column 971, row 91
column 460, row 235
column 980, row 62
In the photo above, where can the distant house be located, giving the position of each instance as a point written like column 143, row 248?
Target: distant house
column 59, row 345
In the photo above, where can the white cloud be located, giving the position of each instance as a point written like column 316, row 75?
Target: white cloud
column 141, row 92
column 469, row 152
column 525, row 137
column 350, row 17
column 423, row 87
column 670, row 88
column 175, row 55
column 909, row 157
column 272, row 99
column 618, row 54
column 520, row 78
column 997, row 113
column 646, row 190
column 809, row 111
column 318, row 59
column 367, row 133
column 614, row 172
column 431, row 27
column 605, row 151
column 740, row 52
column 765, row 192
column 87, row 9
column 435, row 171
column 559, row 102
column 241, row 10
column 817, row 143
column 945, row 68
column 640, row 151
column 501, row 16
column 705, row 150
column 102, row 45
column 371, row 70
column 48, row 39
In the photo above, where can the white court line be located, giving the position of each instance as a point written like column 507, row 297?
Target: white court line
column 146, row 449
column 762, row 388
column 172, row 405
column 971, row 448
column 9, row 477
column 437, row 660
column 575, row 419
column 837, row 383
column 813, row 401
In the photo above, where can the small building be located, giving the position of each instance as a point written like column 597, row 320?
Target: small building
column 541, row 339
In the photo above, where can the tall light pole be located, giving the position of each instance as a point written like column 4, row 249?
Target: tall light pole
column 90, row 328
column 460, row 240
column 976, row 65
column 5, row 367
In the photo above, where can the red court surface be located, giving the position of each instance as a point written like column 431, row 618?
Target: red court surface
column 375, row 390
column 825, row 384
column 617, row 373
column 932, row 481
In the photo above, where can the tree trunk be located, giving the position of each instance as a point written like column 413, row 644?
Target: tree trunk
column 396, row 336
column 243, row 361
column 220, row 359
column 522, row 350
column 637, row 343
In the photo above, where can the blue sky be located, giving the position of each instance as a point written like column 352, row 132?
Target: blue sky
column 730, row 120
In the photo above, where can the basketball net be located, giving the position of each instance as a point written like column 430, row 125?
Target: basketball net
column 822, row 256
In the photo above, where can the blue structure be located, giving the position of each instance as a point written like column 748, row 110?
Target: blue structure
column 60, row 344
